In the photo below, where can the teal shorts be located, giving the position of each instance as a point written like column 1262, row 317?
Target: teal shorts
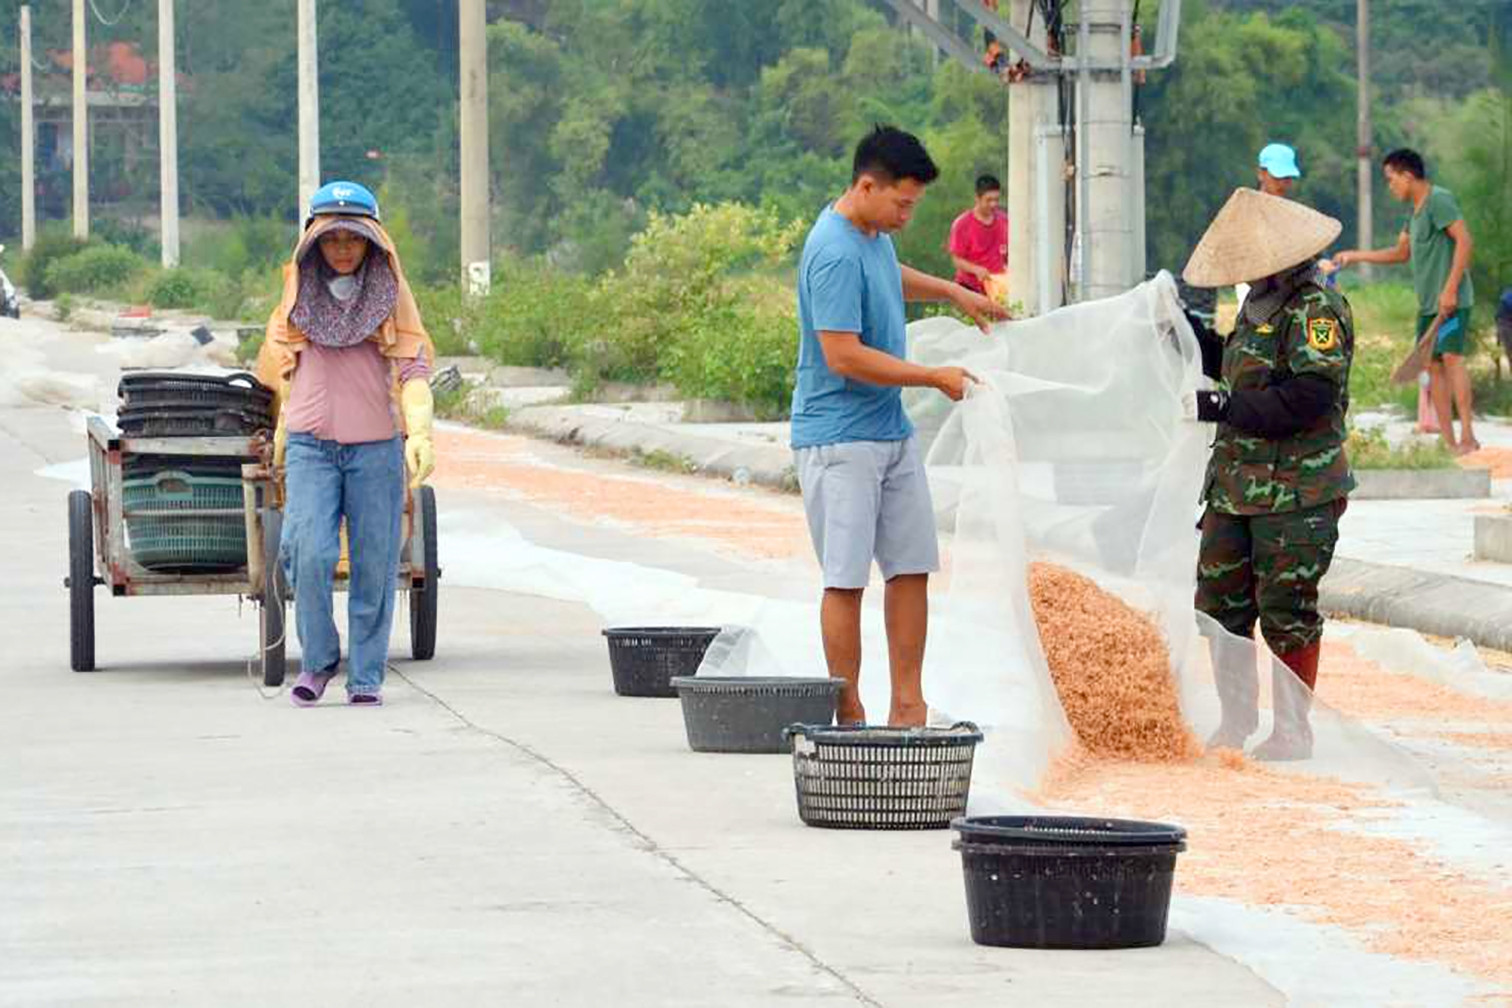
column 1457, row 342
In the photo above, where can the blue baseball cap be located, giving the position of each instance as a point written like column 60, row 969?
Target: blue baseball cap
column 347, row 199
column 1280, row 160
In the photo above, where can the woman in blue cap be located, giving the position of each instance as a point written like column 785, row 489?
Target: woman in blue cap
column 350, row 360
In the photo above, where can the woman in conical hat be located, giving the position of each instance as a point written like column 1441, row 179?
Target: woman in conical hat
column 1278, row 479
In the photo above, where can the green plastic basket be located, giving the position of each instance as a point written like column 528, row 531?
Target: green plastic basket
column 163, row 540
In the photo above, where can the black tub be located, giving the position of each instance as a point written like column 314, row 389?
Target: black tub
column 749, row 713
column 644, row 660
column 1067, row 882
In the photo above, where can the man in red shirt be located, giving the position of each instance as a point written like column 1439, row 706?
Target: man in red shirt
column 979, row 237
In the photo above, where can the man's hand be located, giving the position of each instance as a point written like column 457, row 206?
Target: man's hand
column 983, row 310
column 1338, row 262
column 1449, row 301
column 953, row 381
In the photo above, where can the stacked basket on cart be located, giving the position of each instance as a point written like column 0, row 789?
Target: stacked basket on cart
column 165, row 495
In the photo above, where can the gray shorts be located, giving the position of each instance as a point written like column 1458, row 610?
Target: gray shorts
column 868, row 500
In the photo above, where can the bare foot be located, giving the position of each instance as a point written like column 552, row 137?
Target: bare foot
column 1469, row 444
column 912, row 714
column 848, row 709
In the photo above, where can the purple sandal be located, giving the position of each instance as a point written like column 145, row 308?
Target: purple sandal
column 365, row 700
column 310, row 687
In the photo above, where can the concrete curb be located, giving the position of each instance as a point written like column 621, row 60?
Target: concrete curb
column 1493, row 537
column 1428, row 603
column 764, row 465
column 1421, row 484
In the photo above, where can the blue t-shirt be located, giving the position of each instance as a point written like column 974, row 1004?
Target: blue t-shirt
column 849, row 283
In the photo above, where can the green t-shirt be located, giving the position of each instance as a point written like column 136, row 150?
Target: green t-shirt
column 1433, row 250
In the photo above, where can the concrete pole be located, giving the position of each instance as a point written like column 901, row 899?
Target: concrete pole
column 1363, row 140
column 28, row 139
column 1106, row 159
column 168, row 133
column 473, row 42
column 309, row 106
column 1036, row 209
column 80, row 126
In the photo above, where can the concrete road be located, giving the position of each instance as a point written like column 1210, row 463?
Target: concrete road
column 504, row 831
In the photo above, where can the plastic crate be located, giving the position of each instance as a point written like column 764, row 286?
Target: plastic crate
column 858, row 777
column 1067, row 882
column 154, row 421
column 164, row 541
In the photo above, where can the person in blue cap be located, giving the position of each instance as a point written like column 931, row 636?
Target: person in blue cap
column 1276, row 170
column 350, row 360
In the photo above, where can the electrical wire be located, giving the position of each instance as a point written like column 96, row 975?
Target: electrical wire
column 125, row 7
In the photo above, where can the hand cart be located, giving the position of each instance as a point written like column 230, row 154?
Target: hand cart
column 99, row 554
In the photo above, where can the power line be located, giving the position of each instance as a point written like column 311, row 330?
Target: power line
column 125, row 6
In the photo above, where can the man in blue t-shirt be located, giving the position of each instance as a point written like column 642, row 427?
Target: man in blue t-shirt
column 864, row 489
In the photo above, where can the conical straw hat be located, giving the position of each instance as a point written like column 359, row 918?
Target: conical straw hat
column 1256, row 235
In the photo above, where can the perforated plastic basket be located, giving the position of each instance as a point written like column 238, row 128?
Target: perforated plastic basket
column 643, row 660
column 857, row 777
column 188, row 390
column 165, row 541
column 1067, row 882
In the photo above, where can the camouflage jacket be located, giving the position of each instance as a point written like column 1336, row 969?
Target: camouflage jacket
column 1312, row 333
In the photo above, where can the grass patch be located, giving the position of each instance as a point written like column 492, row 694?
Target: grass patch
column 465, row 405
column 1368, row 448
column 663, row 461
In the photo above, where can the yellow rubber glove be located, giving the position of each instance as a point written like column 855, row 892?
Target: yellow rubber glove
column 419, row 414
column 280, row 428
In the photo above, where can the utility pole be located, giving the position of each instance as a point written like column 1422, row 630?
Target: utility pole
column 80, row 126
column 473, row 41
column 309, row 107
column 168, row 134
column 1104, row 151
column 28, row 139
column 1363, row 139
column 1036, row 181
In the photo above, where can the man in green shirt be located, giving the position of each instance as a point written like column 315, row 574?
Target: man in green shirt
column 1437, row 243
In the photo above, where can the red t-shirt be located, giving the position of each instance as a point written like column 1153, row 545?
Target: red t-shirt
column 985, row 245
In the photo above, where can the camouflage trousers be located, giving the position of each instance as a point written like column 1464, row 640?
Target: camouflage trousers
column 1267, row 567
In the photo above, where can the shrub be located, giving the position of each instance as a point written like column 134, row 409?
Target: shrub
column 52, row 244
column 742, row 351
column 447, row 317
column 681, row 277
column 186, row 288
column 537, row 316
column 95, row 269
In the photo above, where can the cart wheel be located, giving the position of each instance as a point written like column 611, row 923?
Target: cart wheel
column 275, row 594
column 81, row 574
column 423, row 597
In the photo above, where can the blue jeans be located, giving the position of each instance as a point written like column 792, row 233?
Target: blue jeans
column 364, row 483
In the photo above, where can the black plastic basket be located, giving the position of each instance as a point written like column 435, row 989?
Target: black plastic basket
column 181, row 389
column 154, row 421
column 644, row 660
column 218, row 466
column 1067, row 882
column 749, row 713
column 859, row 777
